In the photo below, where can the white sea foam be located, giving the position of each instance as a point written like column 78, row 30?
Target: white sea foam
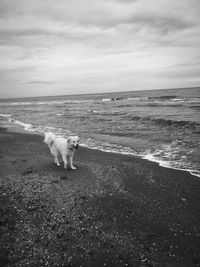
column 169, row 164
column 5, row 115
column 48, row 102
column 194, row 100
column 106, row 99
column 194, row 172
column 20, row 103
column 57, row 102
column 177, row 100
column 133, row 98
column 27, row 127
column 148, row 155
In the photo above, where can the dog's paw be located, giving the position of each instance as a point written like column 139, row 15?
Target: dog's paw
column 73, row 168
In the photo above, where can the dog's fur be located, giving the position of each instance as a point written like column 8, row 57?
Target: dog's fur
column 62, row 147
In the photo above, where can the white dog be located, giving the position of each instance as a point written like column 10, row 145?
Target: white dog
column 63, row 147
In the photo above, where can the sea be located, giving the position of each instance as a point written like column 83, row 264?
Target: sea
column 162, row 126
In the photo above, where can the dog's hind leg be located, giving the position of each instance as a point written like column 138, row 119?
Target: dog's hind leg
column 55, row 154
column 56, row 160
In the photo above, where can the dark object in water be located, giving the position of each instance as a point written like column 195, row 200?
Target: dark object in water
column 164, row 97
column 117, row 98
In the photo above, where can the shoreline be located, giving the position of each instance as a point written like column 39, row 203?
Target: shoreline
column 18, row 129
column 114, row 210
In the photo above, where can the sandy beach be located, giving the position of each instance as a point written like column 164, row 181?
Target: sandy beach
column 114, row 210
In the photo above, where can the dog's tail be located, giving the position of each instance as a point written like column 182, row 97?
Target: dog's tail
column 49, row 138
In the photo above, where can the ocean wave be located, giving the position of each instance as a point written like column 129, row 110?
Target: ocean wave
column 125, row 98
column 170, row 101
column 41, row 129
column 94, row 111
column 57, row 131
column 40, row 103
column 166, row 122
column 106, row 99
column 165, row 156
column 173, row 103
column 195, row 100
column 137, row 118
column 163, row 98
column 162, row 104
column 20, row 103
column 170, row 164
column 107, row 147
column 134, row 98
column 5, row 115
column 104, row 113
column 195, row 107
column 115, row 99
column 124, row 105
column 170, row 156
column 178, row 99
column 154, row 101
column 175, row 123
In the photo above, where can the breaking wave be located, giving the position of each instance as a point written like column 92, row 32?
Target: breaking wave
column 164, row 157
column 5, row 115
column 27, row 126
column 166, row 122
column 175, row 123
column 41, row 103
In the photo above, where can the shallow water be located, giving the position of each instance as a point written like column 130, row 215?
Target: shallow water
column 160, row 125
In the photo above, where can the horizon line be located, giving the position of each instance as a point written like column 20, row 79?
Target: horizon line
column 112, row 92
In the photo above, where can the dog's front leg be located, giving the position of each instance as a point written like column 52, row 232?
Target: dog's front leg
column 64, row 158
column 71, row 163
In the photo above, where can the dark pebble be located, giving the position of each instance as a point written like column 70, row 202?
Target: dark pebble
column 3, row 220
column 63, row 178
column 28, row 171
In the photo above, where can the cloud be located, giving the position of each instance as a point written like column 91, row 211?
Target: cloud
column 83, row 40
column 87, row 17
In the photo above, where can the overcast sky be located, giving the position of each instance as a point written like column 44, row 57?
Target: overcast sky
column 50, row 47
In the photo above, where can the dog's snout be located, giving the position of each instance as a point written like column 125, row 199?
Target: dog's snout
column 77, row 147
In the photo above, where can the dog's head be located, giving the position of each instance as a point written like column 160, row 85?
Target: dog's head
column 73, row 142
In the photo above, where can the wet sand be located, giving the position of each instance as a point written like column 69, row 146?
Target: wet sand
column 114, row 210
